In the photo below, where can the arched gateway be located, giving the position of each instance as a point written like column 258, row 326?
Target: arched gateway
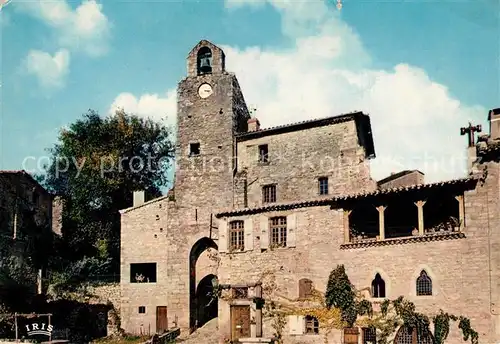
column 202, row 305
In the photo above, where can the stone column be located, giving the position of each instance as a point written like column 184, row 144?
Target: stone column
column 347, row 231
column 258, row 312
column 381, row 221
column 461, row 211
column 420, row 207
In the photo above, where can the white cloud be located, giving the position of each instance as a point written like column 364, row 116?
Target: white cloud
column 84, row 29
column 154, row 106
column 327, row 72
column 51, row 71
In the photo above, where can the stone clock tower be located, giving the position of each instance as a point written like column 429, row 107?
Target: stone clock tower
column 210, row 111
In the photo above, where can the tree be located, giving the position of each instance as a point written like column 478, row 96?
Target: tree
column 96, row 165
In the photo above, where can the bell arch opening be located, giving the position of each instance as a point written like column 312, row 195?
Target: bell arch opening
column 204, row 61
column 203, row 303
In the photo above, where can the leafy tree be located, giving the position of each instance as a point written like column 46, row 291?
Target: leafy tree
column 96, row 165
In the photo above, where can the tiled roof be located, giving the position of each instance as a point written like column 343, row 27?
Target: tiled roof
column 396, row 176
column 338, row 199
column 362, row 120
column 313, row 122
column 404, row 240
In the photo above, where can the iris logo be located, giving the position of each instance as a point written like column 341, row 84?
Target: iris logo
column 41, row 328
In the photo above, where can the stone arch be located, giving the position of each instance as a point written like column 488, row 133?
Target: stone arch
column 206, row 302
column 204, row 61
column 196, row 300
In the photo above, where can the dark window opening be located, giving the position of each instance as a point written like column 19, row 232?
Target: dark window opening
column 408, row 335
column 236, row 233
column 142, row 309
column 305, row 288
column 401, row 218
column 204, row 61
column 269, row 194
column 277, row 228
column 363, row 222
column 424, row 284
column 441, row 213
column 369, row 335
column 194, row 149
column 143, row 273
column 323, row 186
column 263, row 154
column 312, row 325
column 240, row 292
column 378, row 287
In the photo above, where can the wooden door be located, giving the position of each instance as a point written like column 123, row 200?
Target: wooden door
column 161, row 319
column 351, row 335
column 240, row 322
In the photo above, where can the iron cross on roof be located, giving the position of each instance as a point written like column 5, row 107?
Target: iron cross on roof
column 470, row 130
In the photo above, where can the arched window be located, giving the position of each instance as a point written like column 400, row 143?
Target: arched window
column 312, row 325
column 424, row 284
column 378, row 286
column 305, row 288
column 204, row 61
column 407, row 335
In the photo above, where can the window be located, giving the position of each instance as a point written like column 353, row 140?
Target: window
column 369, row 335
column 263, row 154
column 194, row 149
column 323, row 186
column 305, row 288
column 143, row 273
column 236, row 233
column 378, row 287
column 408, row 335
column 204, row 61
column 278, row 231
column 312, row 325
column 142, row 309
column 240, row 292
column 269, row 193
column 424, row 284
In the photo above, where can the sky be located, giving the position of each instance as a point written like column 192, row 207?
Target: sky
column 420, row 69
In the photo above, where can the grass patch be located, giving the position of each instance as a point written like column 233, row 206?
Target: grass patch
column 128, row 339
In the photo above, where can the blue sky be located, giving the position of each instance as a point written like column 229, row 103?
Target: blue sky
column 420, row 69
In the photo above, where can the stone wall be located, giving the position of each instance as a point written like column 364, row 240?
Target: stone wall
column 459, row 268
column 298, row 158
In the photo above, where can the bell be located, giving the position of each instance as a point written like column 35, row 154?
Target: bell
column 205, row 65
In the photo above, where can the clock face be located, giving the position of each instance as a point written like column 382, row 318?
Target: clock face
column 205, row 91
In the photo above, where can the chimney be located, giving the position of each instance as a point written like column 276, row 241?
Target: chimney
column 494, row 119
column 253, row 124
column 138, row 198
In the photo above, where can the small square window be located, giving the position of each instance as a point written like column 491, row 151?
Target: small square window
column 263, row 154
column 194, row 149
column 323, row 185
column 142, row 309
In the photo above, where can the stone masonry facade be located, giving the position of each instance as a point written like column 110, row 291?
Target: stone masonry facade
column 293, row 202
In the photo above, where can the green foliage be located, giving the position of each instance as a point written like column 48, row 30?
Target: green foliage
column 95, row 167
column 340, row 293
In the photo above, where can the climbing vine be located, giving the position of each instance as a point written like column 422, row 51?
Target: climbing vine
column 342, row 306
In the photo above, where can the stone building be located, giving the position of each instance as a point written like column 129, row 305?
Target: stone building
column 279, row 208
column 24, row 202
